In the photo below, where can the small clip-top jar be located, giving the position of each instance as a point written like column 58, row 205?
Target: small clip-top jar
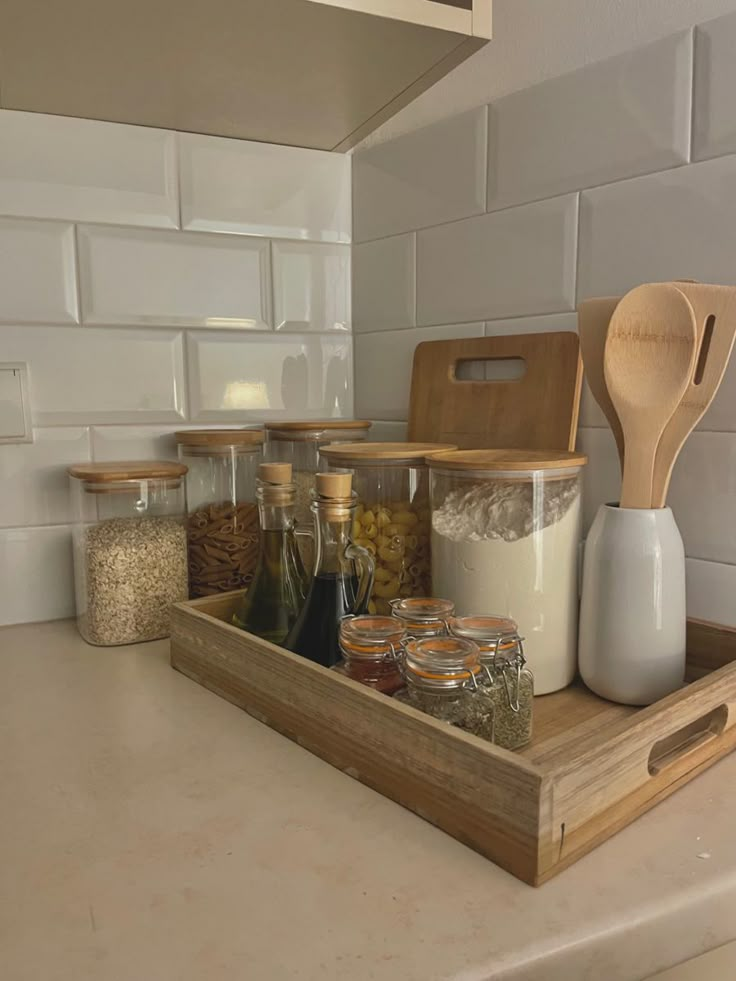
column 130, row 548
column 423, row 616
column 371, row 647
column 505, row 675
column 222, row 526
column 443, row 679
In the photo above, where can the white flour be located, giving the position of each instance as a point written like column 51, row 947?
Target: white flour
column 496, row 550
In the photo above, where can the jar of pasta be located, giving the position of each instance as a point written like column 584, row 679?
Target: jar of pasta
column 393, row 516
column 222, row 522
column 298, row 443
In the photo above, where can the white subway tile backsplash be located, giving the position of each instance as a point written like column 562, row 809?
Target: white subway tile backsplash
column 137, row 276
column 601, row 474
column 510, row 263
column 388, row 432
column 34, row 478
column 680, row 224
column 702, row 495
column 85, row 170
column 433, row 175
column 39, row 579
column 38, row 281
column 383, row 366
column 269, row 376
column 624, row 116
column 714, row 119
column 384, row 281
column 134, row 443
column 83, row 375
column 711, row 591
column 311, row 286
column 263, row 189
column 533, row 325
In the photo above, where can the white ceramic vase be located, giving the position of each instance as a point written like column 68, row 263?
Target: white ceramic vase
column 632, row 611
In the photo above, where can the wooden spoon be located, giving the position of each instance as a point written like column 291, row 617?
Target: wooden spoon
column 715, row 316
column 594, row 317
column 648, row 363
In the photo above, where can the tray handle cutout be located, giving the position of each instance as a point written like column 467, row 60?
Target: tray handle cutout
column 489, row 369
column 675, row 747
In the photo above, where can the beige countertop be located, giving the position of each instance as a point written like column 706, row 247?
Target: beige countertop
column 150, row 831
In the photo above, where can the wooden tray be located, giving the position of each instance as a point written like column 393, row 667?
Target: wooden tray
column 592, row 768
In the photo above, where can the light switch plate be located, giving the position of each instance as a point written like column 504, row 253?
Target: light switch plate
column 15, row 403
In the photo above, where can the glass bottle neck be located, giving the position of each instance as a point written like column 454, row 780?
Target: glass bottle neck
column 275, row 509
column 332, row 531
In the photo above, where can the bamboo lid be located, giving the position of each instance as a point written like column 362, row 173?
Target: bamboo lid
column 275, row 473
column 368, row 454
column 337, row 486
column 308, row 424
column 105, row 473
column 219, row 437
column 507, row 460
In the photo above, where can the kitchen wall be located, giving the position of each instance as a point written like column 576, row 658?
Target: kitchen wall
column 154, row 281
column 501, row 218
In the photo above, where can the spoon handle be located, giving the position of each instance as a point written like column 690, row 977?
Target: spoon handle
column 636, row 489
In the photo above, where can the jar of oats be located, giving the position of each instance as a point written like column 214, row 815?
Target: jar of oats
column 130, row 548
column 298, row 443
column 393, row 515
column 222, row 524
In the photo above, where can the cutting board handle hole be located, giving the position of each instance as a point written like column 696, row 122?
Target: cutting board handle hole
column 490, row 369
column 704, row 348
column 668, row 751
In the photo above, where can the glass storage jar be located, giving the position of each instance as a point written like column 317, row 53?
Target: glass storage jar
column 505, row 534
column 371, row 648
column 506, row 674
column 392, row 484
column 130, row 548
column 443, row 679
column 222, row 523
column 298, row 443
column 423, row 616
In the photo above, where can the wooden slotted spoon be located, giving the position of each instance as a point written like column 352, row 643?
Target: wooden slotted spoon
column 648, row 363
column 594, row 317
column 715, row 316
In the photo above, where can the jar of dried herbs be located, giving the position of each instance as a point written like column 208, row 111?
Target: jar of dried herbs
column 505, row 675
column 444, row 679
column 371, row 647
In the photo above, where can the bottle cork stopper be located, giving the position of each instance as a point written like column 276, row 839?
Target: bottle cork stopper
column 333, row 485
column 275, row 473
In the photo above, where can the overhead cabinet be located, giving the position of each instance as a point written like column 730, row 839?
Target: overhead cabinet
column 312, row 73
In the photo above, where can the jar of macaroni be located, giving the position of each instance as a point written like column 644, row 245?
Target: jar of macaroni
column 393, row 516
column 298, row 443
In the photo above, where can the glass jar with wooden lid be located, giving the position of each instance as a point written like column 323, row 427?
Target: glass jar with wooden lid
column 506, row 528
column 222, row 524
column 443, row 679
column 393, row 516
column 298, row 443
column 506, row 674
column 129, row 547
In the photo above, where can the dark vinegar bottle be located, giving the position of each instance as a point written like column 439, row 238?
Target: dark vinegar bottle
column 343, row 573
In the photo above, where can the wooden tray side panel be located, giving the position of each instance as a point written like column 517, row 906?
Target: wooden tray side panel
column 537, row 411
column 636, row 762
column 483, row 796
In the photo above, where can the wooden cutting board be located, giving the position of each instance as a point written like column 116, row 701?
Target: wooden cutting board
column 538, row 410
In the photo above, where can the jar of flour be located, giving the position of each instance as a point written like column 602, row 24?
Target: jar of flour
column 506, row 527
